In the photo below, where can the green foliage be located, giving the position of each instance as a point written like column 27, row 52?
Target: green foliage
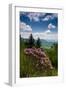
column 38, row 43
column 31, row 41
column 55, row 48
column 53, row 55
column 28, row 64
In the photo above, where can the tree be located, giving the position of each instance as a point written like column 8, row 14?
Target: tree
column 31, row 41
column 38, row 43
column 20, row 41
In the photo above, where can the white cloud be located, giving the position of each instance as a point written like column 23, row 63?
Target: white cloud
column 47, row 31
column 25, row 27
column 35, row 16
column 28, row 28
column 25, row 34
column 45, row 19
column 51, row 26
column 36, row 19
column 48, row 17
column 25, row 30
column 47, row 35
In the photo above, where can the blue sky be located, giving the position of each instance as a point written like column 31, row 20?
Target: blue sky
column 42, row 25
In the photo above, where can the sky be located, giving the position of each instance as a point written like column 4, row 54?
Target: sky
column 40, row 24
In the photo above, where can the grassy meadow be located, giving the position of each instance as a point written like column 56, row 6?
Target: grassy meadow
column 28, row 63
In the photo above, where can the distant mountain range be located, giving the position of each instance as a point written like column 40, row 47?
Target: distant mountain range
column 47, row 43
column 52, row 41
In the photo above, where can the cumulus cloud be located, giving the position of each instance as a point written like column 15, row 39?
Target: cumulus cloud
column 25, row 27
column 46, row 36
column 25, row 30
column 50, row 17
column 47, row 31
column 35, row 16
column 25, row 34
column 51, row 26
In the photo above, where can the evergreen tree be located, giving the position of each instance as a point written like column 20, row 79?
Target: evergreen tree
column 38, row 43
column 31, row 41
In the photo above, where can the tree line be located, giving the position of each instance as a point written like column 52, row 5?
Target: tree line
column 31, row 42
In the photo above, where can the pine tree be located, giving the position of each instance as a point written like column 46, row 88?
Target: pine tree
column 38, row 43
column 31, row 41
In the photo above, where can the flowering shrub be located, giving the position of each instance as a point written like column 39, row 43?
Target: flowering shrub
column 40, row 56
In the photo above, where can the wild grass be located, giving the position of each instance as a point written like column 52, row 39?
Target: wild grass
column 28, row 63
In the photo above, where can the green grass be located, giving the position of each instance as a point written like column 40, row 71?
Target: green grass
column 28, row 64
